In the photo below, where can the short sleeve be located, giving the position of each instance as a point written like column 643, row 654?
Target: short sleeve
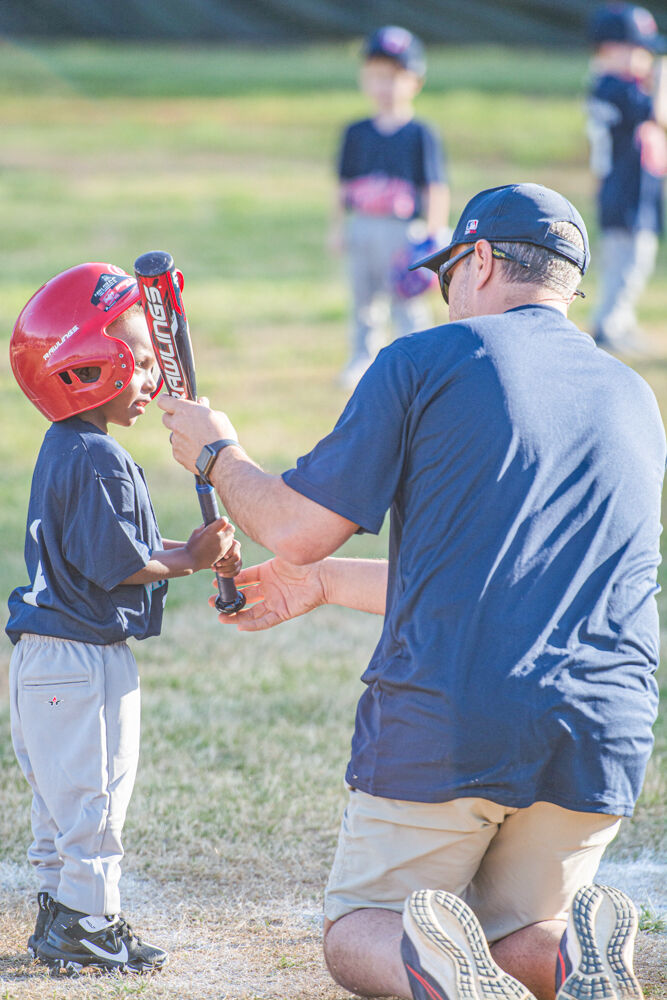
column 101, row 537
column 434, row 161
column 634, row 105
column 355, row 471
column 344, row 166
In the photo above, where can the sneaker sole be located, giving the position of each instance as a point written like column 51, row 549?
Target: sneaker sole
column 605, row 923
column 72, row 968
column 88, row 963
column 434, row 920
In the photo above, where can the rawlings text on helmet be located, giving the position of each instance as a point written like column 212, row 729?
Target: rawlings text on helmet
column 60, row 342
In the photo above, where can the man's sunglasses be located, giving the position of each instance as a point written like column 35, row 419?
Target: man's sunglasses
column 445, row 270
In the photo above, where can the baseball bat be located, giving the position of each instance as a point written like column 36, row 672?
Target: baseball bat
column 160, row 287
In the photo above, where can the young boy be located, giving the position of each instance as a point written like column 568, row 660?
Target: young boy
column 391, row 172
column 627, row 109
column 98, row 568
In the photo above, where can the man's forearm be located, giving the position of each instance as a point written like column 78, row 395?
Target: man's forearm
column 268, row 511
column 356, row 583
column 265, row 508
column 248, row 494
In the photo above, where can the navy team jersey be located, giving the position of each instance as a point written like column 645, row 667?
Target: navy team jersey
column 631, row 187
column 523, row 468
column 386, row 174
column 90, row 526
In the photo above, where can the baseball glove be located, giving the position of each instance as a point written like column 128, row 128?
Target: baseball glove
column 406, row 284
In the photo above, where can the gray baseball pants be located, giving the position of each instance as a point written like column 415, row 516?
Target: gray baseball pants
column 75, row 717
column 371, row 243
column 626, row 262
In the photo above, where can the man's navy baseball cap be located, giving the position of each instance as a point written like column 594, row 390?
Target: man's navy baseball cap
column 399, row 44
column 623, row 22
column 516, row 213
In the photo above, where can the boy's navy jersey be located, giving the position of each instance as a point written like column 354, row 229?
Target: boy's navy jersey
column 523, row 467
column 90, row 525
column 630, row 193
column 386, row 174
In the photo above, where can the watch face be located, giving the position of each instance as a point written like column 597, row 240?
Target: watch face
column 208, row 455
column 203, row 462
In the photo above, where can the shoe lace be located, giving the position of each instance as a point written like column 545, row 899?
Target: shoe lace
column 123, row 930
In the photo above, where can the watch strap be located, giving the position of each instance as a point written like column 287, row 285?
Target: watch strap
column 208, row 455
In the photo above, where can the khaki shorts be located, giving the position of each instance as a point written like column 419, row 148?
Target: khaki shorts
column 514, row 867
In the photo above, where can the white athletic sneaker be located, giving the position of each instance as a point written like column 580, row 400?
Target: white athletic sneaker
column 595, row 954
column 446, row 955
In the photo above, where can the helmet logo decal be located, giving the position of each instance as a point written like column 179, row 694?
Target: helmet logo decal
column 59, row 343
column 110, row 288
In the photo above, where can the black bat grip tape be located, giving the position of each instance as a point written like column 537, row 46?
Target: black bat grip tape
column 229, row 599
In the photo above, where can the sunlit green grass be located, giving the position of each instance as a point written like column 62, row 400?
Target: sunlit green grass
column 125, row 70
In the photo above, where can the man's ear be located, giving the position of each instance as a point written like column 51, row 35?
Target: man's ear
column 482, row 262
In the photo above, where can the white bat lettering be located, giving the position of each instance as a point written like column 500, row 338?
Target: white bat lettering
column 162, row 338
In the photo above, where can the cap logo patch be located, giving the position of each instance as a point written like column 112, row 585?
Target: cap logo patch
column 471, row 226
column 644, row 21
column 395, row 40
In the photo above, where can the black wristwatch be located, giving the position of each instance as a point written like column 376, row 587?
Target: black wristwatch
column 208, row 455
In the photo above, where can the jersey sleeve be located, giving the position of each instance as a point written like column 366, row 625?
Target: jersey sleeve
column 101, row 537
column 434, row 161
column 356, row 469
column 633, row 104
column 345, row 165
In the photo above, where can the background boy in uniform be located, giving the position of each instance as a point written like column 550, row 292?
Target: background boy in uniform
column 98, row 568
column 391, row 172
column 627, row 109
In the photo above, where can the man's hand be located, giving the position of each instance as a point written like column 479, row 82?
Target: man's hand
column 193, row 425
column 276, row 591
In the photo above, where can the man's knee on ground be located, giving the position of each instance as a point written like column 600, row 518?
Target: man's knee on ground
column 333, row 949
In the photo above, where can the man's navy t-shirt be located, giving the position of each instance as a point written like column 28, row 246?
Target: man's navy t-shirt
column 90, row 526
column 523, row 467
column 630, row 194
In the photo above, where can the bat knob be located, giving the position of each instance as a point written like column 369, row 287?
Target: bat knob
column 230, row 607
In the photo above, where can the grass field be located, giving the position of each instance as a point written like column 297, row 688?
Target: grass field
column 224, row 158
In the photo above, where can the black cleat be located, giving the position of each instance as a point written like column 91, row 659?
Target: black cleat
column 45, row 903
column 77, row 941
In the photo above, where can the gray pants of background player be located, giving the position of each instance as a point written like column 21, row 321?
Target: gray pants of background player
column 75, row 715
column 371, row 243
column 626, row 261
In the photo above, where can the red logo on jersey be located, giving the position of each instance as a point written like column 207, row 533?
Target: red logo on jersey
column 376, row 194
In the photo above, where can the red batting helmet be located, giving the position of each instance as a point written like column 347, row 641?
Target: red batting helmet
column 63, row 330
